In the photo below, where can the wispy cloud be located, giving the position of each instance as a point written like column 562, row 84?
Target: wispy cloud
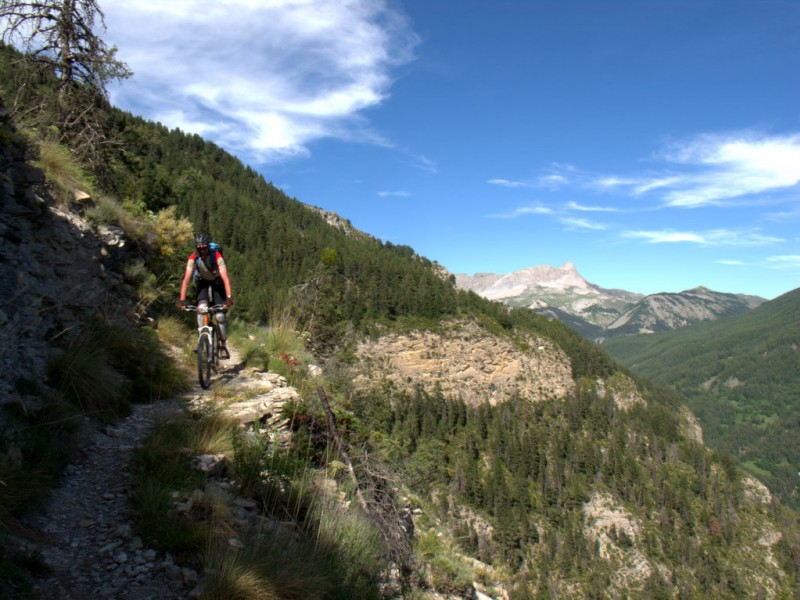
column 558, row 176
column 395, row 194
column 275, row 77
column 422, row 162
column 584, row 208
column 791, row 261
column 509, row 184
column 522, row 211
column 716, row 170
column 553, row 181
column 576, row 223
column 731, row 262
column 715, row 237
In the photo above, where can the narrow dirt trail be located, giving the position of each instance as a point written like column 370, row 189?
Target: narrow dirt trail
column 86, row 532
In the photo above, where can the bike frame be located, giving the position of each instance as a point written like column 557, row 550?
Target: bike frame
column 207, row 342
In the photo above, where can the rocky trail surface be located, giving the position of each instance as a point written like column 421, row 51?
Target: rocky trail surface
column 86, row 535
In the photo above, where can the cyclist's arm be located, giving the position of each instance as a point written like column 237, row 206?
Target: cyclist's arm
column 223, row 273
column 187, row 277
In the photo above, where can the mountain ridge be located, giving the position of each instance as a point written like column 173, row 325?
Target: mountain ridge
column 599, row 313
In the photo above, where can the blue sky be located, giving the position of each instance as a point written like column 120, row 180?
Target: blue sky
column 654, row 144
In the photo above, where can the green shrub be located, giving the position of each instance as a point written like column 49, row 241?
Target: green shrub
column 106, row 211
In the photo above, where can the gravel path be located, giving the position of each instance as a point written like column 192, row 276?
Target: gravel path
column 86, row 534
column 88, row 540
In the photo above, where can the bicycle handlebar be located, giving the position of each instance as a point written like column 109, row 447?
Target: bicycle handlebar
column 204, row 309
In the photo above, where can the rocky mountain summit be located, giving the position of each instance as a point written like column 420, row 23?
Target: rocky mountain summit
column 598, row 313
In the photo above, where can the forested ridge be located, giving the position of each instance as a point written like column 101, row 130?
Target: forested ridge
column 740, row 376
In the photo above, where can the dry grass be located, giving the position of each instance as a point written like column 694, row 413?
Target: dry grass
column 83, row 374
column 64, row 172
column 267, row 568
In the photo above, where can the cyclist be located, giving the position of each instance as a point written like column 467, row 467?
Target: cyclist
column 213, row 284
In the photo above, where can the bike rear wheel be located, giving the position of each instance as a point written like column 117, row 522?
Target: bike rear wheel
column 204, row 362
column 215, row 354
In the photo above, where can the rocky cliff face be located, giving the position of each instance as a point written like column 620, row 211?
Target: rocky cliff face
column 55, row 272
column 464, row 360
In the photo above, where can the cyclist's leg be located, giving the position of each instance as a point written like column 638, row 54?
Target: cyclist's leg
column 218, row 290
column 203, row 297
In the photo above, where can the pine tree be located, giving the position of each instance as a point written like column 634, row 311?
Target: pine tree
column 60, row 37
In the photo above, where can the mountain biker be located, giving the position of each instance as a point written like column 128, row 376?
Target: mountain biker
column 213, row 284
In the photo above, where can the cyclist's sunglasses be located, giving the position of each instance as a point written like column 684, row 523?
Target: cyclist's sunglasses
column 203, row 248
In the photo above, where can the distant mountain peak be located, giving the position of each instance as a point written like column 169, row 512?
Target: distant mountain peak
column 595, row 312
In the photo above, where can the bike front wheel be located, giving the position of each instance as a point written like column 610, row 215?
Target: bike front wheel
column 204, row 362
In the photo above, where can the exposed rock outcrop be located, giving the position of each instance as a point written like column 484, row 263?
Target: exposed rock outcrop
column 618, row 535
column 465, row 360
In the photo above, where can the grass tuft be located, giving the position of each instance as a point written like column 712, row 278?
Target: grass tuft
column 82, row 373
column 106, row 367
column 63, row 171
column 268, row 567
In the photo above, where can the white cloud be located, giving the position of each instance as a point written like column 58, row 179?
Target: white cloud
column 397, row 194
column 553, row 181
column 612, row 181
column 731, row 262
column 263, row 78
column 582, row 223
column 715, row 237
column 583, row 208
column 522, row 211
column 784, row 262
column 423, row 163
column 718, row 170
column 509, row 184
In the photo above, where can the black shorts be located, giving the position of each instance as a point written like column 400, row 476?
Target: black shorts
column 212, row 292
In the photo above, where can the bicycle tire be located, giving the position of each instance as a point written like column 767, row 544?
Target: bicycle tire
column 204, row 362
column 215, row 346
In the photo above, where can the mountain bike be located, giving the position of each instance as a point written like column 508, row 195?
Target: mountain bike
column 207, row 342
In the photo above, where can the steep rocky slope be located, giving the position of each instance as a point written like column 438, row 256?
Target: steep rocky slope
column 55, row 270
column 462, row 359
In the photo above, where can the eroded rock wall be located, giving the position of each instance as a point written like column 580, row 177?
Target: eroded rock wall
column 465, row 360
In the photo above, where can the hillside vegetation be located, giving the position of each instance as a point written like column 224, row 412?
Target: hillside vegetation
column 740, row 376
column 602, row 491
